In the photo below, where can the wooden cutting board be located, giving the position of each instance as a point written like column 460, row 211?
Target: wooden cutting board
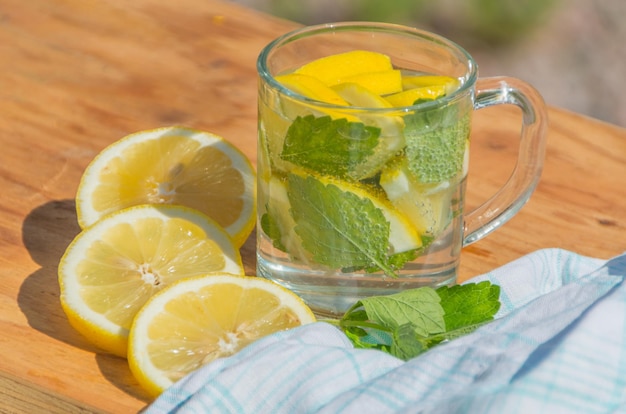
column 77, row 75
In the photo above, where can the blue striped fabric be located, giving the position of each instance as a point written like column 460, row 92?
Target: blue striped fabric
column 558, row 345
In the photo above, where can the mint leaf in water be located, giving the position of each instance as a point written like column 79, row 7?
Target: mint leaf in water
column 339, row 228
column 329, row 146
column 435, row 142
column 272, row 230
column 416, row 320
column 397, row 260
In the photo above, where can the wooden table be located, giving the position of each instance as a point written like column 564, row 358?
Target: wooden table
column 77, row 75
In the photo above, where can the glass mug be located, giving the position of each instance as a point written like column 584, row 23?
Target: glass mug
column 362, row 200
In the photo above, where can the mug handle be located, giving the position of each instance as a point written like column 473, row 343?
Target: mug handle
column 505, row 203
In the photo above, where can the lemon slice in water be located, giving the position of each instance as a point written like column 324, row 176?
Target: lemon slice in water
column 334, row 69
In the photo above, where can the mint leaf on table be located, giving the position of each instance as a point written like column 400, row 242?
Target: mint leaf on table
column 416, row 320
column 339, row 228
column 406, row 344
column 435, row 142
column 329, row 146
column 470, row 304
column 418, row 307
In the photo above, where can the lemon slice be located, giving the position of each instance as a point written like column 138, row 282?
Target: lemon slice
column 112, row 267
column 381, row 83
column 360, row 96
column 426, row 207
column 408, row 97
column 336, row 68
column 278, row 207
column 449, row 83
column 172, row 165
column 198, row 320
column 311, row 87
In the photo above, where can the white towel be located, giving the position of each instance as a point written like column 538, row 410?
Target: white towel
column 558, row 345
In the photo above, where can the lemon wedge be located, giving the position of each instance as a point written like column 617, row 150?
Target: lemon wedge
column 114, row 266
column 418, row 81
column 172, row 165
column 427, row 208
column 408, row 97
column 359, row 96
column 278, row 207
column 334, row 69
column 198, row 320
column 380, row 83
column 311, row 87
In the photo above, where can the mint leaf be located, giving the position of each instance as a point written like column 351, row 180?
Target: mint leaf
column 333, row 147
column 435, row 142
column 396, row 261
column 338, row 227
column 272, row 230
column 469, row 304
column 355, row 321
column 450, row 335
column 418, row 307
column 406, row 344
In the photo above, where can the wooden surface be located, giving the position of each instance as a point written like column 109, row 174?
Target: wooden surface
column 77, row 75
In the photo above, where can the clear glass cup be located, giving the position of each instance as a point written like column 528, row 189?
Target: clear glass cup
column 355, row 201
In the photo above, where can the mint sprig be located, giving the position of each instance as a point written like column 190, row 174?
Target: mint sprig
column 409, row 323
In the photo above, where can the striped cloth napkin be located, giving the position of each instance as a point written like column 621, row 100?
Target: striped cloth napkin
column 558, row 345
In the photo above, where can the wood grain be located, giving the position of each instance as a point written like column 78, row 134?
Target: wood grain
column 77, row 75
column 26, row 398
